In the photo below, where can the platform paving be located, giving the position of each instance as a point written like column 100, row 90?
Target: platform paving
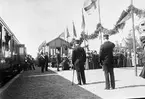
column 58, row 85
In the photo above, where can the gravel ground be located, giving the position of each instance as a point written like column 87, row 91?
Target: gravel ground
column 48, row 85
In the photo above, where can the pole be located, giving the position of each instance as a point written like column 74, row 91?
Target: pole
column 99, row 17
column 73, row 76
column 134, row 44
column 83, row 29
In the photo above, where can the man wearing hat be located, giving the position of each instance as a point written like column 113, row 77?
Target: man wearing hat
column 78, row 61
column 42, row 61
column 106, row 60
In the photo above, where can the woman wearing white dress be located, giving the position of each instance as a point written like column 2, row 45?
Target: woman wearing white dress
column 133, row 60
column 129, row 63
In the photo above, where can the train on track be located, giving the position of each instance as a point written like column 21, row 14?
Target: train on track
column 12, row 54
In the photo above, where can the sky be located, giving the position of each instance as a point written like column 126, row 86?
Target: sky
column 34, row 21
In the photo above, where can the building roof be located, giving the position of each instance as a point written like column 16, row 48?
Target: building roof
column 58, row 42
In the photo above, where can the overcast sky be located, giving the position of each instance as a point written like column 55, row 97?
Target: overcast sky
column 33, row 21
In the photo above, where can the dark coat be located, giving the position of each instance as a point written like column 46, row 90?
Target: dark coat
column 41, row 60
column 58, row 58
column 106, row 54
column 46, row 59
column 79, row 58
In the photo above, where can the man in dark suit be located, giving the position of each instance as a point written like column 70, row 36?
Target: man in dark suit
column 46, row 61
column 42, row 62
column 78, row 61
column 106, row 60
column 58, row 58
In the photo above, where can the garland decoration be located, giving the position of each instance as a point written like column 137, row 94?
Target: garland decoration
column 93, row 35
column 140, row 13
column 100, row 28
column 120, row 24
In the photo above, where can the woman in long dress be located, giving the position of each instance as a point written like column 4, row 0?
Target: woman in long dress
column 129, row 63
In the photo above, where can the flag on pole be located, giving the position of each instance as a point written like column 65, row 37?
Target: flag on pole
column 83, row 21
column 74, row 30
column 89, row 5
column 126, row 15
column 68, row 35
column 62, row 35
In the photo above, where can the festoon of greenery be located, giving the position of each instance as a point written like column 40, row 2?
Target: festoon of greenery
column 103, row 30
column 119, row 25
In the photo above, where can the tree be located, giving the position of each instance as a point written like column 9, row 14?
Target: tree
column 129, row 42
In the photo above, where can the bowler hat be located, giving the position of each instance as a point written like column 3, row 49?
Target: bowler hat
column 77, row 41
column 105, row 35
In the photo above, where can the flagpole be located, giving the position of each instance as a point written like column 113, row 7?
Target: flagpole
column 73, row 31
column 134, row 44
column 99, row 17
column 83, row 29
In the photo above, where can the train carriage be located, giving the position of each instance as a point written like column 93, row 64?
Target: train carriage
column 12, row 53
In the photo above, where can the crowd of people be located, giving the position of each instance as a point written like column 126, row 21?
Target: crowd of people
column 107, row 58
column 29, row 63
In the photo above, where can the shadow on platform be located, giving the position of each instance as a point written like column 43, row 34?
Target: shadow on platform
column 99, row 82
column 47, row 85
column 131, row 86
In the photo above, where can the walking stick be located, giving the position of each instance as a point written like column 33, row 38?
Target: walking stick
column 73, row 76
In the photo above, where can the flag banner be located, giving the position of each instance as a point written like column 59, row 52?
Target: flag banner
column 120, row 24
column 74, row 30
column 139, row 12
column 90, row 5
column 68, row 35
column 125, row 15
column 83, row 21
column 62, row 34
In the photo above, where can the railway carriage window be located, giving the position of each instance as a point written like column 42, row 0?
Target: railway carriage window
column 7, row 39
column 0, row 37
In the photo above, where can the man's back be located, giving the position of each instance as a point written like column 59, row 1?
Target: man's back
column 106, row 52
column 78, row 53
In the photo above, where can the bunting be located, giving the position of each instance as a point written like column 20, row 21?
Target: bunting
column 120, row 24
column 74, row 30
column 126, row 15
column 83, row 21
column 140, row 13
column 68, row 35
